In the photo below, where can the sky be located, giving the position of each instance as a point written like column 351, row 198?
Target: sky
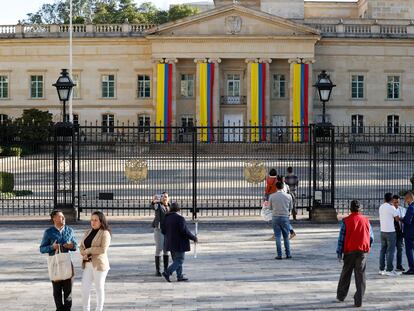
column 17, row 9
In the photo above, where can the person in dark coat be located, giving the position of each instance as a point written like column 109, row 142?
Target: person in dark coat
column 177, row 241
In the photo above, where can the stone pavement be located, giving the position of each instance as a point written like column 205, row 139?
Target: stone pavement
column 235, row 270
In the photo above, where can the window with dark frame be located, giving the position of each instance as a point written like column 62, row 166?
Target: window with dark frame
column 108, row 86
column 107, row 123
column 357, row 87
column 393, row 124
column 357, row 124
column 144, row 123
column 144, row 86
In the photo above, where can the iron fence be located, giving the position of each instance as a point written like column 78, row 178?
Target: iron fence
column 205, row 173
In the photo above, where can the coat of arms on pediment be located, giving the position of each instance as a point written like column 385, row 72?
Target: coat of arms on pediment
column 234, row 24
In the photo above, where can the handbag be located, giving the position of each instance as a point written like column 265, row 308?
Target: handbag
column 60, row 266
column 266, row 213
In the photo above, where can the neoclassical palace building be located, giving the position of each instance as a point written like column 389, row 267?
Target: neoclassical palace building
column 247, row 61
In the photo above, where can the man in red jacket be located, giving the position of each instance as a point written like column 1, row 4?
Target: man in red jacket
column 354, row 242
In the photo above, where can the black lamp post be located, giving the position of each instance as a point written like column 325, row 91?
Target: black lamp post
column 324, row 87
column 64, row 86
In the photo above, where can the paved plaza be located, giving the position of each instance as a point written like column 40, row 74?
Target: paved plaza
column 234, row 270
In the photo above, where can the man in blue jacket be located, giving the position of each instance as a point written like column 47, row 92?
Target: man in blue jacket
column 408, row 231
column 177, row 241
column 59, row 236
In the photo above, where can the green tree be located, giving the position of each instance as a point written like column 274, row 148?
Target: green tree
column 106, row 12
column 180, row 11
column 34, row 125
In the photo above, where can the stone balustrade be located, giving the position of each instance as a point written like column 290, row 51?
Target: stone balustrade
column 328, row 27
column 362, row 28
column 79, row 30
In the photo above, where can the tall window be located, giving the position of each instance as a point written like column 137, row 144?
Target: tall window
column 144, row 86
column 75, row 118
column 279, row 86
column 233, row 85
column 393, row 87
column 36, row 86
column 393, row 124
column 187, row 85
column 357, row 124
column 187, row 123
column 76, row 89
column 3, row 118
column 4, row 87
column 108, row 86
column 144, row 123
column 357, row 87
column 107, row 123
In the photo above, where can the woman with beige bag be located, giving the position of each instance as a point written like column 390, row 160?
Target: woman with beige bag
column 57, row 241
column 93, row 248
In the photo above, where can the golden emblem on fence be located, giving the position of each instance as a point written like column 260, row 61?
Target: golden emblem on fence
column 136, row 170
column 254, row 171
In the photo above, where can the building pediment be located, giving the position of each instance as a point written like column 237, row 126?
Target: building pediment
column 233, row 20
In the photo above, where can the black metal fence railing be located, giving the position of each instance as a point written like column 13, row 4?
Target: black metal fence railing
column 218, row 170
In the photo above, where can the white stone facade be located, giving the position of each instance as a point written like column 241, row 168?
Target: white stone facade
column 370, row 59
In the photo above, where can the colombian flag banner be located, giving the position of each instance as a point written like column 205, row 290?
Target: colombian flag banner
column 206, row 80
column 300, row 102
column 164, row 102
column 258, row 101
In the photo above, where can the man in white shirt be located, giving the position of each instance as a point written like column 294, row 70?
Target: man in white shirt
column 399, row 231
column 387, row 214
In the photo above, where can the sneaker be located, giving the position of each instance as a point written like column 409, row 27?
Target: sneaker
column 400, row 269
column 182, row 279
column 289, row 257
column 381, row 272
column 408, row 272
column 292, row 235
column 166, row 277
column 278, row 258
column 391, row 273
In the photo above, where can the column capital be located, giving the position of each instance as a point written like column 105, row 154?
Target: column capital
column 216, row 60
column 165, row 60
column 200, row 60
column 265, row 60
column 299, row 60
column 308, row 60
column 296, row 60
column 251, row 60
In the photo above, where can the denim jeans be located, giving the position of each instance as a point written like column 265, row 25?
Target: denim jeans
column 388, row 243
column 281, row 227
column 409, row 249
column 177, row 265
column 399, row 246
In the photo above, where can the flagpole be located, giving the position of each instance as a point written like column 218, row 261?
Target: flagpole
column 70, row 59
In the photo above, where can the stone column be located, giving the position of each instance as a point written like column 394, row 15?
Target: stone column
column 198, row 61
column 310, row 62
column 155, row 62
column 292, row 61
column 249, row 62
column 216, row 90
column 268, row 61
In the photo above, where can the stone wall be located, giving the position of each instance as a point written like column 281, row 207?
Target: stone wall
column 284, row 8
column 391, row 9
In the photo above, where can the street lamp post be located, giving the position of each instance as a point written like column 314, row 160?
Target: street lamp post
column 323, row 209
column 64, row 86
column 64, row 160
column 324, row 87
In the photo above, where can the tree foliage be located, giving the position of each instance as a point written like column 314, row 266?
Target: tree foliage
column 107, row 12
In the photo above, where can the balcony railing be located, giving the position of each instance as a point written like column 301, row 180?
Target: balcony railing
column 362, row 27
column 233, row 100
column 43, row 30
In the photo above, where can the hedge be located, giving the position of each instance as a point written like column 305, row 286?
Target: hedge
column 6, row 182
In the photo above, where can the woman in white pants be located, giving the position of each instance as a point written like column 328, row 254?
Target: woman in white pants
column 95, row 263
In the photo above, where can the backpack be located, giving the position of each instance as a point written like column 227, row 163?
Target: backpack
column 270, row 185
